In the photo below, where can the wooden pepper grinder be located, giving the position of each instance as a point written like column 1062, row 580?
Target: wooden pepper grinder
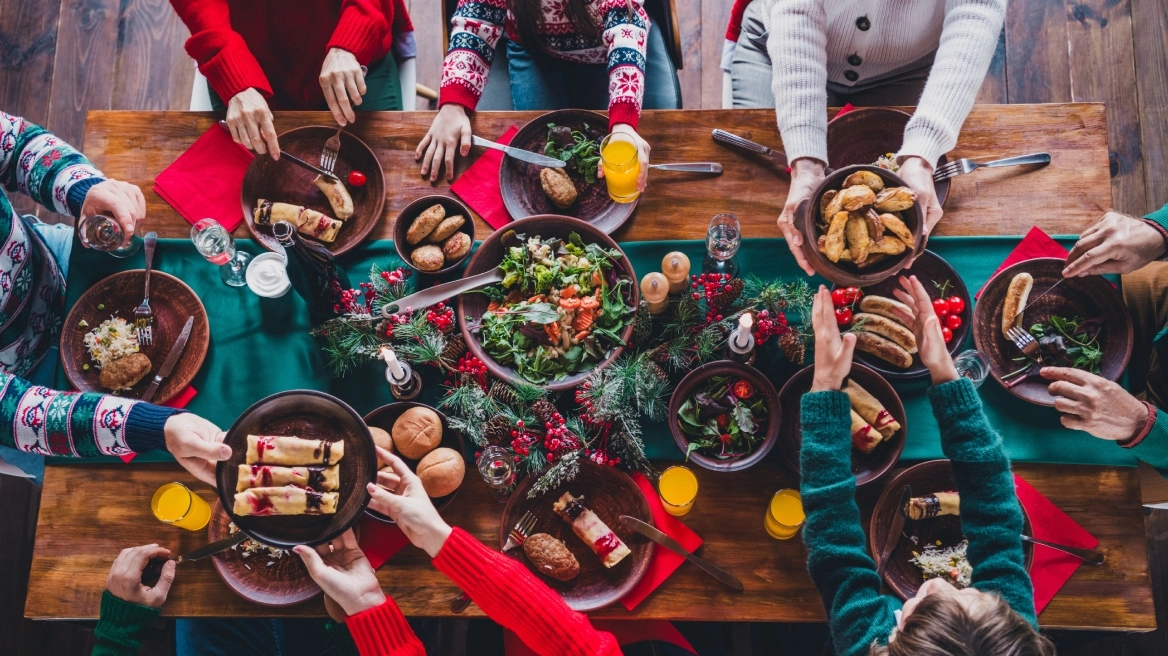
column 675, row 267
column 655, row 290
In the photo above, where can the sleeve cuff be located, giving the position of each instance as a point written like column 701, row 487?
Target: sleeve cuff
column 145, row 426
column 1159, row 221
column 360, row 35
column 77, row 193
column 1148, row 424
column 624, row 112
column 954, row 397
column 923, row 143
column 383, row 630
column 459, row 95
column 129, row 616
column 805, row 142
column 233, row 70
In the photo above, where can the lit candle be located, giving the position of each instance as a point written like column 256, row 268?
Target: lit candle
column 675, row 266
column 742, row 341
column 655, row 291
column 396, row 371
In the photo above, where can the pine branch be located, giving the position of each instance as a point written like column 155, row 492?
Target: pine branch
column 562, row 472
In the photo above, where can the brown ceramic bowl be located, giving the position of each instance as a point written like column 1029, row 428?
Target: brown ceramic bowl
column 118, row 295
column 864, row 135
column 285, row 583
column 695, row 380
column 845, row 273
column 1088, row 297
column 925, row 478
column 867, row 467
column 608, row 492
column 384, row 418
column 521, row 189
column 471, row 306
column 284, row 182
column 932, row 271
column 316, row 416
column 452, row 206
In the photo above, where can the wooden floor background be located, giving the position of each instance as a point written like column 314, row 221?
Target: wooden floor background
column 61, row 58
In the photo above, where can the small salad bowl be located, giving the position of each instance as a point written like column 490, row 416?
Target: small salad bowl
column 684, row 407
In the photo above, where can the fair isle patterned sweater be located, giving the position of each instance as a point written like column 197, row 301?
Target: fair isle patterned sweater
column 478, row 25
column 32, row 299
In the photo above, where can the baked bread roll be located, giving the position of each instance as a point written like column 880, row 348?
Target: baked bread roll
column 288, row 500
column 308, row 222
column 871, row 409
column 588, row 527
column 417, row 432
column 382, row 439
column 441, row 472
column 1016, row 296
column 317, row 477
column 448, row 227
column 550, row 557
column 425, row 223
column 864, row 436
column 338, row 197
column 280, row 450
column 458, row 245
column 882, row 348
column 886, row 328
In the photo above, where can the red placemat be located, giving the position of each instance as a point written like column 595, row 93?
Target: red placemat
column 207, row 180
column 1035, row 244
column 180, row 401
column 1052, row 569
column 664, row 561
column 379, row 540
column 479, row 184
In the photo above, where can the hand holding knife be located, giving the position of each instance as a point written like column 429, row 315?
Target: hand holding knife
column 153, row 570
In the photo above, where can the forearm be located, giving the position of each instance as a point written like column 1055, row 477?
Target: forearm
column 361, row 30
column 968, row 40
column 475, row 30
column 383, row 631
column 797, row 45
column 41, row 166
column 222, row 54
column 512, row 596
column 626, row 33
column 120, row 625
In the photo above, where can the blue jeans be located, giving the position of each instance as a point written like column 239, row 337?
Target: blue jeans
column 229, row 637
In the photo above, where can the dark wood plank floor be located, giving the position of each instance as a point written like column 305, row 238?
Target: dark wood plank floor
column 60, row 58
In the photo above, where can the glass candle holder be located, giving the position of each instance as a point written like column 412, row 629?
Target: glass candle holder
column 973, row 365
column 678, row 487
column 175, row 504
column 784, row 515
column 723, row 237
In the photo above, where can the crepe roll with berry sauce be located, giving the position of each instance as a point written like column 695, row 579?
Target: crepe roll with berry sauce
column 307, row 221
column 288, row 500
column 589, row 528
column 281, row 450
column 317, row 477
column 871, row 409
column 864, row 436
column 937, row 504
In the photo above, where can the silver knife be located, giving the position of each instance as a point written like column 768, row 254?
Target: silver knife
column 153, row 570
column 519, row 153
column 171, row 359
column 779, row 158
column 894, row 532
column 669, row 543
column 692, row 167
column 294, row 159
column 438, row 293
column 1035, row 299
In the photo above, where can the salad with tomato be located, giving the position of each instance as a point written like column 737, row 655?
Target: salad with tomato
column 724, row 418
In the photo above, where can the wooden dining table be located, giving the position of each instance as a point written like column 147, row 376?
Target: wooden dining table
column 89, row 512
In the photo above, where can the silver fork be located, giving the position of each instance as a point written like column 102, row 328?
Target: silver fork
column 143, row 315
column 966, row 165
column 1086, row 555
column 328, row 154
column 515, row 538
column 1025, row 342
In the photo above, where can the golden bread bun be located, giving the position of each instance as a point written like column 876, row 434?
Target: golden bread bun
column 382, row 439
column 441, row 472
column 417, row 432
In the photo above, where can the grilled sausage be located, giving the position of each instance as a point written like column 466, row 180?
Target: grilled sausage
column 1016, row 297
column 882, row 348
column 887, row 328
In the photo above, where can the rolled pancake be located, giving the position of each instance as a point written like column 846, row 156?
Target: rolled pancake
column 589, row 528
column 871, row 410
column 307, row 221
column 864, row 436
column 321, row 479
column 279, row 450
column 288, row 500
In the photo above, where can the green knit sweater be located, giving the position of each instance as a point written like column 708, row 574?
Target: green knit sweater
column 838, row 558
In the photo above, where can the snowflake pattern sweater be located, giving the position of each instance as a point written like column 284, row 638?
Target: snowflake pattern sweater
column 478, row 25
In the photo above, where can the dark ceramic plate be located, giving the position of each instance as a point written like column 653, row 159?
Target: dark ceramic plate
column 696, row 379
column 471, row 306
column 925, row 478
column 310, row 415
column 1088, row 297
column 386, row 415
column 284, row 182
column 523, row 194
column 608, row 492
column 172, row 302
column 932, row 271
column 864, row 135
column 285, row 583
column 401, row 226
column 867, row 467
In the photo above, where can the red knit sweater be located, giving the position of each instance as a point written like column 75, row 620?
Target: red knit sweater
column 277, row 46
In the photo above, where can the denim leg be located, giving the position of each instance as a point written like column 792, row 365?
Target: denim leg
column 59, row 239
column 229, row 637
column 537, row 81
column 662, row 88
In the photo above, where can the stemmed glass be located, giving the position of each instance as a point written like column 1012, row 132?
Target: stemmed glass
column 216, row 245
column 104, row 233
column 723, row 238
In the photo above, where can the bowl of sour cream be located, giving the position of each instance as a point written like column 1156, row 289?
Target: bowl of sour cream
column 267, row 275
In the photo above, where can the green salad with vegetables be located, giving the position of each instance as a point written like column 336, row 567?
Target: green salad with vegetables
column 725, row 418
column 578, row 149
column 560, row 308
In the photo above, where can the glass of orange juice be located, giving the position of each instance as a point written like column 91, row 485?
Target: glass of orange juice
column 784, row 515
column 678, row 488
column 175, row 504
column 618, row 156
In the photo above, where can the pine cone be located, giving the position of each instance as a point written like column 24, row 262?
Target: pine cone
column 792, row 345
column 728, row 294
column 544, row 411
column 660, row 353
column 504, row 394
column 455, row 348
column 657, row 371
column 498, row 430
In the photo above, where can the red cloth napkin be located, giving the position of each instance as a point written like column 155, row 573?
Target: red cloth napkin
column 664, row 561
column 1051, row 568
column 207, row 180
column 479, row 185
column 184, row 397
column 1035, row 244
column 626, row 632
column 379, row 540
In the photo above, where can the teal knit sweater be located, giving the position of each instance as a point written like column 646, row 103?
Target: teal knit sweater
column 838, row 558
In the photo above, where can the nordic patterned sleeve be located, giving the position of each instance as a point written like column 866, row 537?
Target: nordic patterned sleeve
column 475, row 30
column 626, row 32
column 40, row 165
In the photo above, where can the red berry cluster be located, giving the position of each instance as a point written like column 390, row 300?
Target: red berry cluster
column 474, row 367
column 521, row 440
column 558, row 439
column 707, row 285
column 601, row 457
column 583, row 397
column 768, row 325
column 357, row 301
column 397, row 276
column 441, row 317
column 395, row 320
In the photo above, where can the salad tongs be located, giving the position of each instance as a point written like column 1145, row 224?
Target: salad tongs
column 443, row 292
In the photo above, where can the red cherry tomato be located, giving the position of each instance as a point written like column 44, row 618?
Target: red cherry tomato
column 941, row 307
column 843, row 315
column 956, row 304
column 356, row 178
column 952, row 321
column 725, row 439
column 852, row 294
column 839, row 297
column 743, row 389
column 723, row 421
column 947, row 334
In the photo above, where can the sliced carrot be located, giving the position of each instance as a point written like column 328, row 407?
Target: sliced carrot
column 584, row 319
column 589, row 302
column 582, row 334
column 571, row 303
column 553, row 330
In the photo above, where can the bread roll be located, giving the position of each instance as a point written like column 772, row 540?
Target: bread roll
column 417, row 432
column 441, row 472
column 382, row 439
column 1016, row 297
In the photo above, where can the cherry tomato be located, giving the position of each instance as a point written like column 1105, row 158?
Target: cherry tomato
column 852, row 294
column 839, row 297
column 356, row 178
column 947, row 334
column 725, row 439
column 953, row 321
column 723, row 421
column 956, row 304
column 941, row 307
column 843, row 315
column 743, row 389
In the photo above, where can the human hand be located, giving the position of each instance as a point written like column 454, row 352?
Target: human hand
column 449, row 132
column 196, row 444
column 1094, row 404
column 643, row 149
column 342, row 571
column 121, row 200
column 125, row 576
column 918, row 175
column 806, row 174
column 926, row 328
column 408, row 505
column 343, row 84
column 833, row 354
column 1118, row 243
column 250, row 122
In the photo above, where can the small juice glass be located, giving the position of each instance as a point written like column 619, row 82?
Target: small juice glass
column 175, row 504
column 678, row 488
column 618, row 156
column 784, row 515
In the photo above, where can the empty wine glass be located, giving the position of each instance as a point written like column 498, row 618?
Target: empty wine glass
column 216, row 245
column 104, row 233
column 723, row 238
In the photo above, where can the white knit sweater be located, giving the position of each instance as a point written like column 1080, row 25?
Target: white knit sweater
column 810, row 41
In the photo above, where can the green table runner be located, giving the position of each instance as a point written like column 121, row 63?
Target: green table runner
column 261, row 346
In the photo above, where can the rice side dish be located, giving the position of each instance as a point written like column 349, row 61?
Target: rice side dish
column 114, row 338
column 948, row 563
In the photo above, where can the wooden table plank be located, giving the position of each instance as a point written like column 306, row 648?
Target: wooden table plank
column 89, row 513
column 1064, row 197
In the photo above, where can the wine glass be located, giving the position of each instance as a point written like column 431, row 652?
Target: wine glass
column 216, row 245
column 103, row 233
column 723, row 237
